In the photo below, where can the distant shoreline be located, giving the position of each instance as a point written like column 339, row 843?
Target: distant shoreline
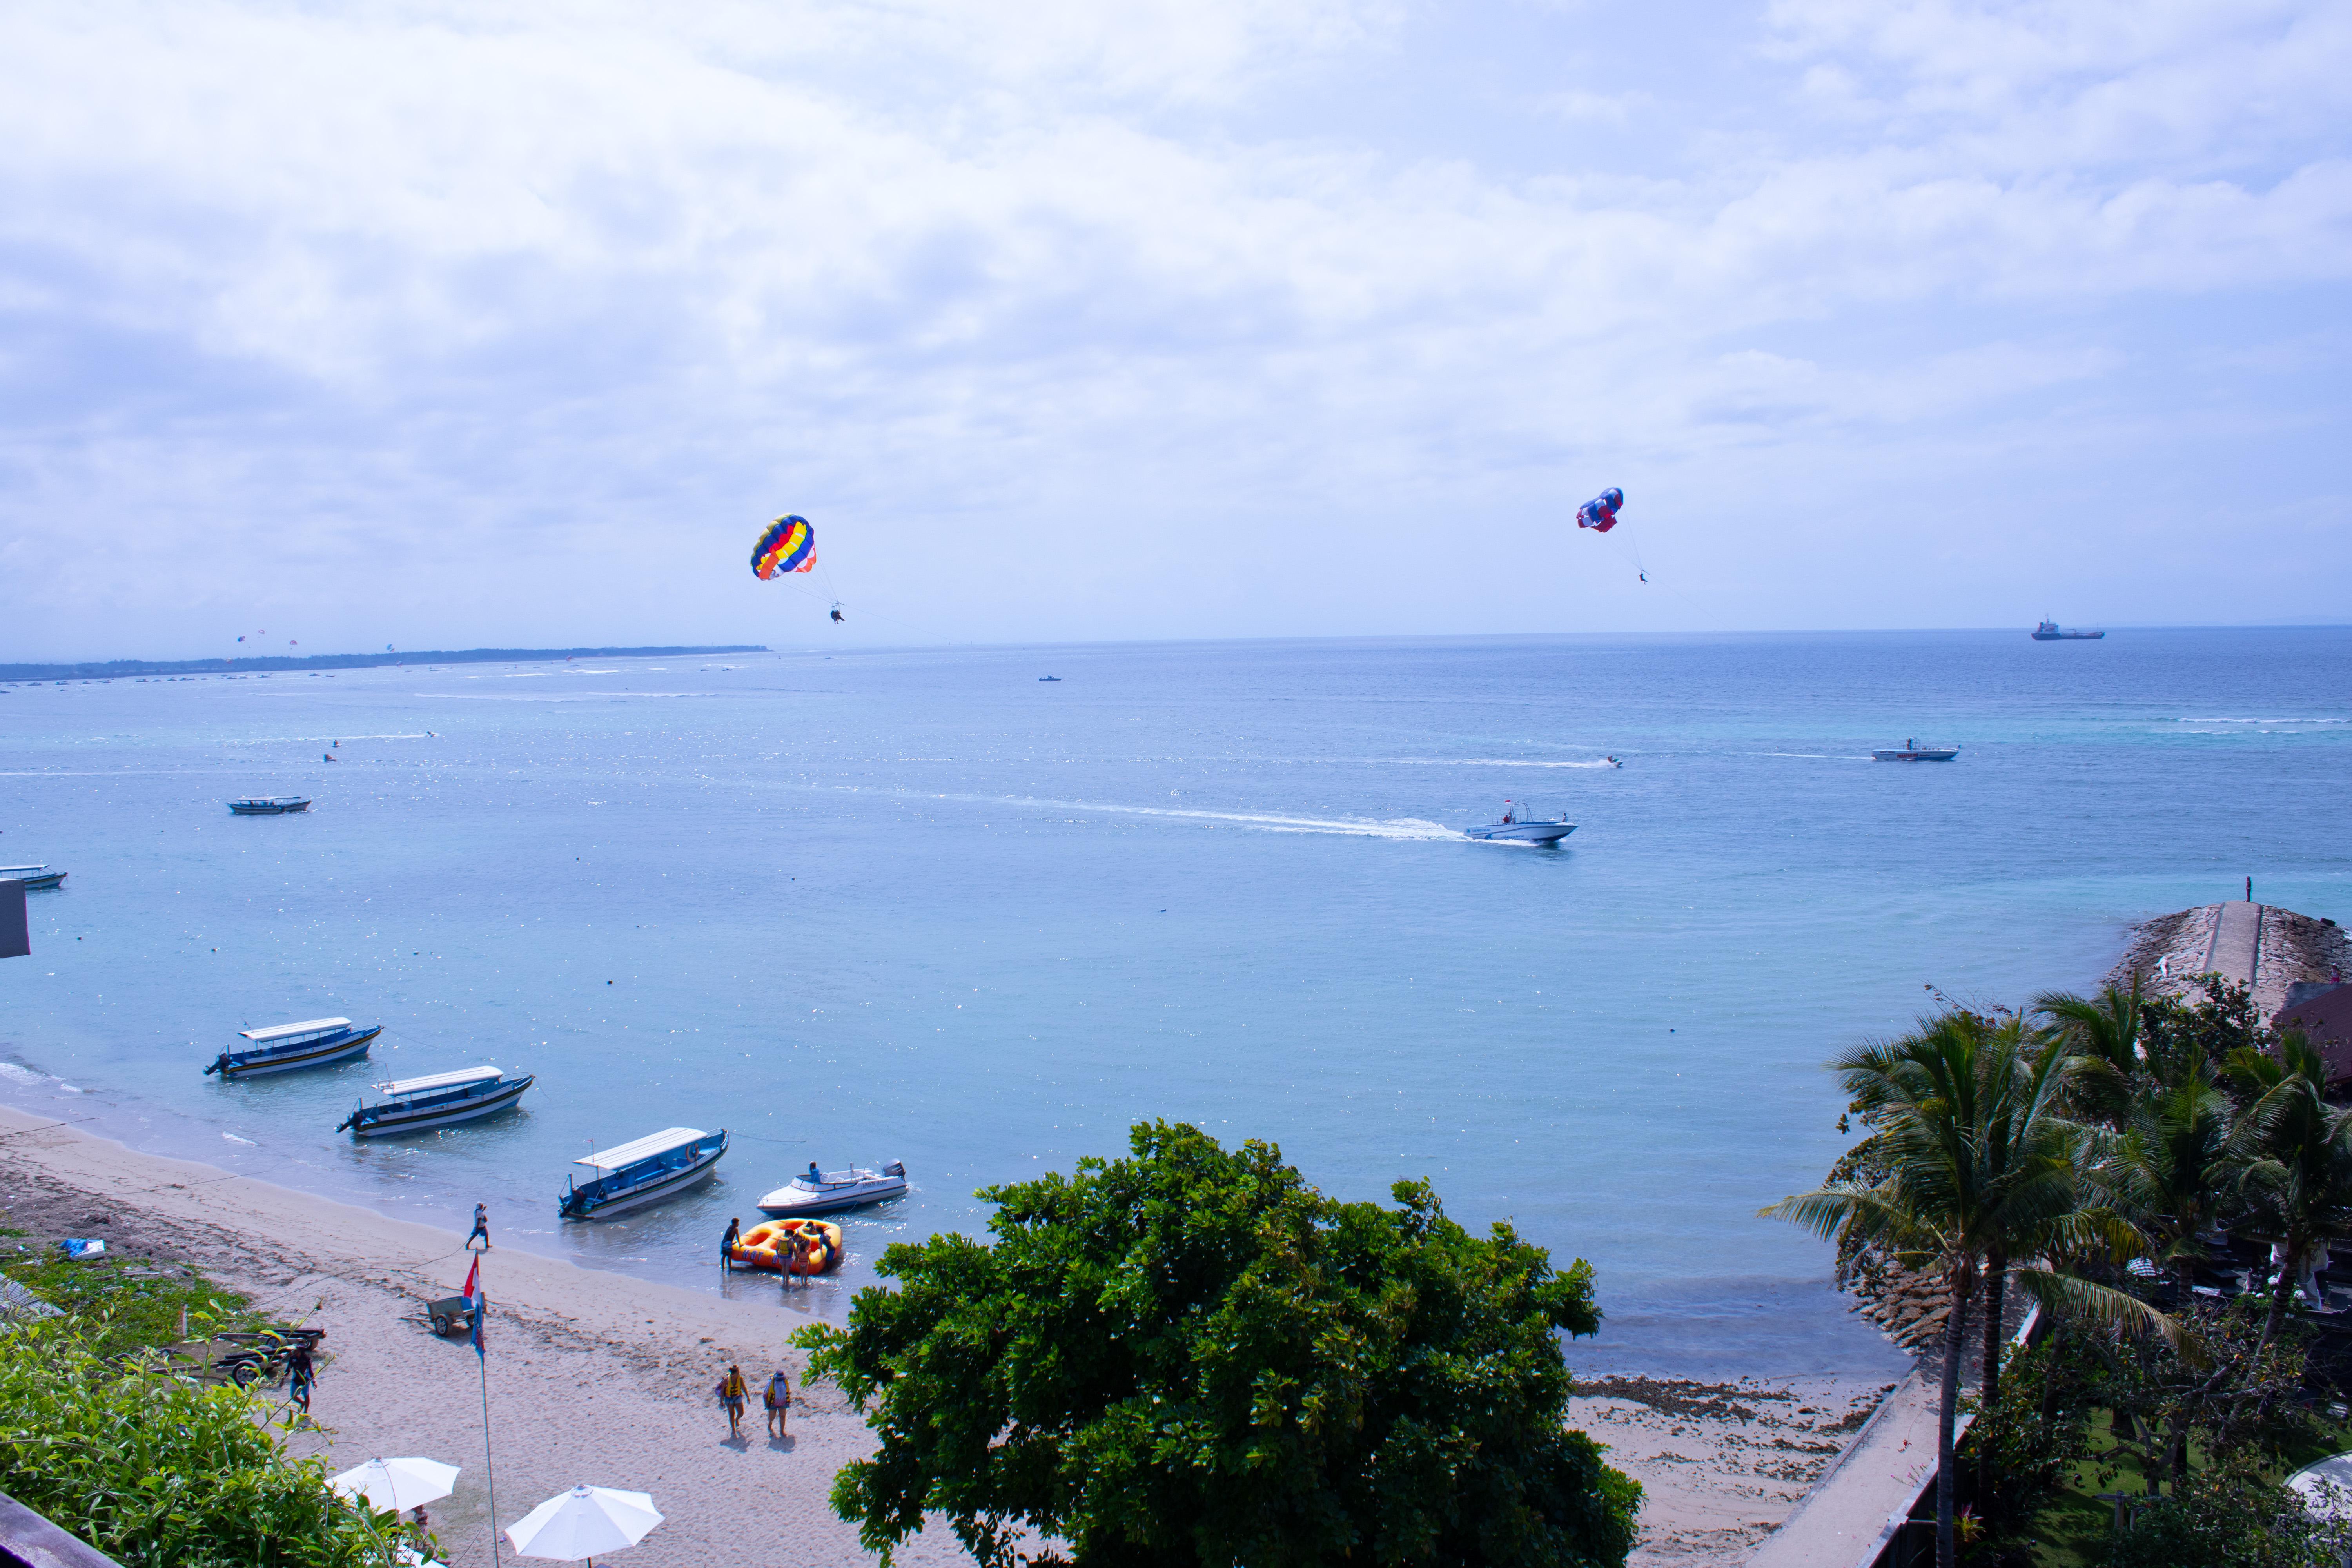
column 116, row 668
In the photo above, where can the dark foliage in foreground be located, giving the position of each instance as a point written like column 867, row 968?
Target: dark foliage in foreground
column 1190, row 1356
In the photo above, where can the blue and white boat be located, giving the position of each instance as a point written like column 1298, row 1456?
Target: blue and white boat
column 816, row 1192
column 1516, row 828
column 439, row 1100
column 32, row 876
column 270, row 806
column 643, row 1171
column 285, row 1046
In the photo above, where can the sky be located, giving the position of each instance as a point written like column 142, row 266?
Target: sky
column 447, row 325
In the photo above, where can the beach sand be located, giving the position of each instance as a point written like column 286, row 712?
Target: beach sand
column 1721, row 1465
column 602, row 1378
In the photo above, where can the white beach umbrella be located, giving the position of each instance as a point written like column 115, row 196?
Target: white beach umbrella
column 398, row 1484
column 583, row 1522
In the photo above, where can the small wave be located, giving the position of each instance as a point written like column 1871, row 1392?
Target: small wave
column 235, row 1139
column 1820, row 756
column 2234, row 721
column 1401, row 827
column 23, row 1075
column 314, row 740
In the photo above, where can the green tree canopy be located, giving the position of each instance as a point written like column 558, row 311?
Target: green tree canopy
column 1190, row 1356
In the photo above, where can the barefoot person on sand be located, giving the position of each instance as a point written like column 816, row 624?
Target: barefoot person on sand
column 733, row 1395
column 779, row 1401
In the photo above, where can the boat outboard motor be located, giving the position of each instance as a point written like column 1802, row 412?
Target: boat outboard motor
column 895, row 1168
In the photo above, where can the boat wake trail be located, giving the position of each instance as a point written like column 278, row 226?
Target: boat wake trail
column 1485, row 763
column 1403, row 828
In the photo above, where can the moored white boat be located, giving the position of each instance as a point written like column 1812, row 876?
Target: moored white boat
column 285, row 1046
column 439, row 1100
column 643, row 1171
column 816, row 1192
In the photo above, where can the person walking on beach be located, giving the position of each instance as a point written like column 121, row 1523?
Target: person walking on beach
column 299, row 1377
column 733, row 1395
column 727, row 1243
column 481, row 1227
column 792, row 1261
column 779, row 1401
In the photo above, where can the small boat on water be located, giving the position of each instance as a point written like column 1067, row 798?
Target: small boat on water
column 773, row 1242
column 816, row 1192
column 643, row 1171
column 1049, row 678
column 32, row 876
column 439, row 1100
column 1913, row 752
column 285, row 1046
column 1516, row 828
column 2051, row 631
column 270, row 806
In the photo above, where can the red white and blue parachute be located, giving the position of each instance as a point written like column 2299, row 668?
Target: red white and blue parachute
column 789, row 545
column 1600, row 514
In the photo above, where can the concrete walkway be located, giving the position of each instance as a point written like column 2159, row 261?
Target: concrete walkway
column 2237, row 946
column 1856, row 1508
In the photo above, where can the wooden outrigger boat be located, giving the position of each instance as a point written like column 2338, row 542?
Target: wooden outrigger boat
column 270, row 806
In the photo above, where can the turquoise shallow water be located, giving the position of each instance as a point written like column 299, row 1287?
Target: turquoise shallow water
column 920, row 905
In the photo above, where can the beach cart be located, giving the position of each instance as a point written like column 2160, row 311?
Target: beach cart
column 450, row 1314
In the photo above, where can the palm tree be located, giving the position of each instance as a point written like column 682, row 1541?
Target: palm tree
column 1981, row 1168
column 2301, row 1188
column 2110, row 1035
column 2177, row 1165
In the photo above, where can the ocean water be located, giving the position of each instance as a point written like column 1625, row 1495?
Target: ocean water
column 921, row 905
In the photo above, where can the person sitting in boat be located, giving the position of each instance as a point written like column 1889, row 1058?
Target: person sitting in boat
column 815, row 1176
column 1507, row 817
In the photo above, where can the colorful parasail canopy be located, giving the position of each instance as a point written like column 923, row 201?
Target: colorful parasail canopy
column 789, row 545
column 1600, row 514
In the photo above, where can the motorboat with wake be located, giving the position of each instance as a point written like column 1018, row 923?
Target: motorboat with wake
column 643, row 1171
column 1518, row 828
column 1913, row 752
column 438, row 1099
column 285, row 1046
column 814, row 1192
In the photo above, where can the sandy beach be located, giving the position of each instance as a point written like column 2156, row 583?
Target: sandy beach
column 601, row 1378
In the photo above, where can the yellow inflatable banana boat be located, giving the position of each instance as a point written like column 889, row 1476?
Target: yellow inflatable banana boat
column 771, row 1243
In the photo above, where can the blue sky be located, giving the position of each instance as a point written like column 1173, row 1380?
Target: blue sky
column 445, row 325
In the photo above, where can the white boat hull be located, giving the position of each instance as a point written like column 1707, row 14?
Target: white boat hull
column 795, row 1202
column 1520, row 832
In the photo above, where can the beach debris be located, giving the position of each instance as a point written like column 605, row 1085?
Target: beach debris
column 398, row 1485
column 79, row 1247
column 583, row 1522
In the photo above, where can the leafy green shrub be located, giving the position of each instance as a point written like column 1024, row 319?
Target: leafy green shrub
column 2230, row 1517
column 161, row 1473
column 1191, row 1357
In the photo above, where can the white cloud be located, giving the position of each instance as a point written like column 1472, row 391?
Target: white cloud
column 439, row 286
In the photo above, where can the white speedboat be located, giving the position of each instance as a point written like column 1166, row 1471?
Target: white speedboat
column 1913, row 752
column 1518, row 828
column 814, row 1192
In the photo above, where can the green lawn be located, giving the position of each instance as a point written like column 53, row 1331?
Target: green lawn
column 139, row 1301
column 2074, row 1530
